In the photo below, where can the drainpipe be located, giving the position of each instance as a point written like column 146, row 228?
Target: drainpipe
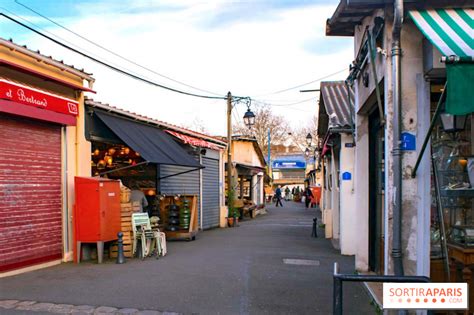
column 396, row 153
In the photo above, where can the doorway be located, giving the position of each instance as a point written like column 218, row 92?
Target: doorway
column 376, row 193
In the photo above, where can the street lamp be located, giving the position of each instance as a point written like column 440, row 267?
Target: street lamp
column 306, row 152
column 249, row 118
column 309, row 139
column 316, row 158
column 453, row 123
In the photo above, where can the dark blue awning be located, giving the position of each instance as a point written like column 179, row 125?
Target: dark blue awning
column 153, row 144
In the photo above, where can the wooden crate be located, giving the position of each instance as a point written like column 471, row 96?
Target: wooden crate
column 126, row 229
column 182, row 234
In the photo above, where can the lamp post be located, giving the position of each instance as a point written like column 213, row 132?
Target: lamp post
column 249, row 120
column 309, row 139
column 230, row 196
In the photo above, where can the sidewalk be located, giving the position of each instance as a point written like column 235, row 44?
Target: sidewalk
column 268, row 265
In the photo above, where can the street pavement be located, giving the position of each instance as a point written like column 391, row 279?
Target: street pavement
column 267, row 265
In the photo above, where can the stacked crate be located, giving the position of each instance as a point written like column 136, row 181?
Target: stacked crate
column 126, row 210
column 126, row 229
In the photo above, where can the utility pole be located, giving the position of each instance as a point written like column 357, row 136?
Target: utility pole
column 230, row 199
column 269, row 154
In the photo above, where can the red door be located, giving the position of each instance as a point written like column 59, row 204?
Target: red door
column 30, row 192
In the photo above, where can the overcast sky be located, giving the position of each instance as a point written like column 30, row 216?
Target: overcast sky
column 251, row 48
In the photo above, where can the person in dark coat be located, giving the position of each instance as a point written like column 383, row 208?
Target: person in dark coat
column 278, row 196
column 308, row 194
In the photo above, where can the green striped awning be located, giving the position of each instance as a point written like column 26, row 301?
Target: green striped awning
column 450, row 30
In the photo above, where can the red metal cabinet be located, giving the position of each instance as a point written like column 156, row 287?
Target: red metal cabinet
column 97, row 211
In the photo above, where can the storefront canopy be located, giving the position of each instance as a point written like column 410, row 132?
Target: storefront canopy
column 153, row 144
column 450, row 30
column 194, row 141
column 249, row 170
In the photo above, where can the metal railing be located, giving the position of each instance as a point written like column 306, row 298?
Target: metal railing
column 340, row 278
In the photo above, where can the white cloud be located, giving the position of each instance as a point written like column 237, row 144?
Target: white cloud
column 248, row 57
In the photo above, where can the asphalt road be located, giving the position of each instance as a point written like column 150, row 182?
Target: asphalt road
column 268, row 265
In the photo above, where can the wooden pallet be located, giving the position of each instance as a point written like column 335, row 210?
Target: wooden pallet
column 127, row 209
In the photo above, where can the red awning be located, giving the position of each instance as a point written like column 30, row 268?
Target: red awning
column 14, row 108
column 194, row 141
column 326, row 147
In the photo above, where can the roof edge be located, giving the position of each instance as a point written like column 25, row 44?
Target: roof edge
column 90, row 102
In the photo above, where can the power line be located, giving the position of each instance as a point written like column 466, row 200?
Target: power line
column 59, row 37
column 289, row 104
column 110, row 51
column 110, row 66
column 300, row 85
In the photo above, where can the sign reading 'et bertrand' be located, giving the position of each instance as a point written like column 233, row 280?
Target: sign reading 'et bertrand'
column 30, row 96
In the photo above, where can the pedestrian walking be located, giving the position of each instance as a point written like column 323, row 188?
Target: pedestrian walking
column 287, row 194
column 308, row 195
column 278, row 196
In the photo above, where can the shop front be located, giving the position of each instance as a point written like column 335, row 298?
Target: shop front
column 39, row 107
column 249, row 171
column 206, row 183
column 335, row 128
column 157, row 159
column 449, row 70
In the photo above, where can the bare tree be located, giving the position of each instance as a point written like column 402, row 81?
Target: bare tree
column 265, row 120
column 299, row 135
column 197, row 125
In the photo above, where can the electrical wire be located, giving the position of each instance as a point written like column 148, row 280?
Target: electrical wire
column 301, row 85
column 63, row 39
column 289, row 104
column 281, row 105
column 236, row 99
column 108, row 65
column 110, row 51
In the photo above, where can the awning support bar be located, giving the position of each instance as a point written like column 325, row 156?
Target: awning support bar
column 123, row 168
column 430, row 130
column 181, row 173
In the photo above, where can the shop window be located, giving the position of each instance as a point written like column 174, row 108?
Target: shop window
column 452, row 192
column 118, row 161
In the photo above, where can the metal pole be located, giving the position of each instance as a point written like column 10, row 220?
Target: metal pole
column 430, row 129
column 230, row 189
column 442, row 228
column 396, row 152
column 269, row 149
column 337, row 292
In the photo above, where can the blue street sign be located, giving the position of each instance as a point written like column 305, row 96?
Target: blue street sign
column 288, row 164
column 346, row 176
column 408, row 141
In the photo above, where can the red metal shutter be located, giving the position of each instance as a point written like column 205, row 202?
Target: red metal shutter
column 30, row 192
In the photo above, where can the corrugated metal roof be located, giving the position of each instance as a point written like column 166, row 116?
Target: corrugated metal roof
column 348, row 14
column 109, row 108
column 334, row 98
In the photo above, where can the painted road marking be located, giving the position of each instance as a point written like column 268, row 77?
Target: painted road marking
column 301, row 262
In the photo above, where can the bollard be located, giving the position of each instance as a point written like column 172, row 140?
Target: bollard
column 120, row 256
column 337, row 292
column 315, row 228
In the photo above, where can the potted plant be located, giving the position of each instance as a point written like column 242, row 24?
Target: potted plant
column 232, row 212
